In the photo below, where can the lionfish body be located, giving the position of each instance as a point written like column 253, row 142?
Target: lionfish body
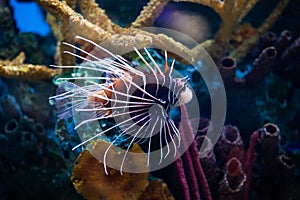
column 137, row 99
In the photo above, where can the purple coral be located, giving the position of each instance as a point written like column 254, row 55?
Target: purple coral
column 237, row 171
column 261, row 66
column 195, row 185
column 227, row 70
column 251, row 157
column 233, row 184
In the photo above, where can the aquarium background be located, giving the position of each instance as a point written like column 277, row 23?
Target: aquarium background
column 36, row 157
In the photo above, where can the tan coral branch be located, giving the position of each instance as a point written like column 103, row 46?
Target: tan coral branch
column 94, row 14
column 242, row 50
column 68, row 37
column 99, row 28
column 71, row 3
column 149, row 13
column 55, row 28
column 273, row 16
column 76, row 23
column 216, row 5
column 165, row 42
column 232, row 7
column 17, row 70
column 249, row 5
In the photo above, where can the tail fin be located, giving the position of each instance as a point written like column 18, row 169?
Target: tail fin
column 68, row 97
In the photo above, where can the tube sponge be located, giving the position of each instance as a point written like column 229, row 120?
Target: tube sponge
column 233, row 185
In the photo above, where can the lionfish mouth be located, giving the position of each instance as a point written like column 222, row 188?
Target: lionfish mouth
column 137, row 99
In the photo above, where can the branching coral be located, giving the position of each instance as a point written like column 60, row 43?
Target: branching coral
column 87, row 26
column 231, row 13
column 18, row 70
column 95, row 25
column 191, row 175
column 241, row 51
column 149, row 13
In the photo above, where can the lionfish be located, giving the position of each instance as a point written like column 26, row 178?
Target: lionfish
column 138, row 99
